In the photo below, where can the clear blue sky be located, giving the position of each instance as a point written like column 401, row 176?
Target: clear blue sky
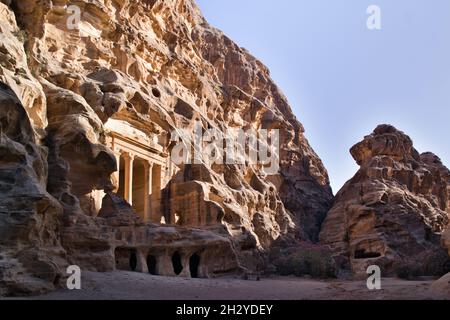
column 342, row 79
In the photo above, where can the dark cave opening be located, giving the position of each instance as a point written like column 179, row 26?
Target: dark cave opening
column 362, row 254
column 156, row 93
column 152, row 264
column 176, row 263
column 133, row 260
column 126, row 259
column 194, row 264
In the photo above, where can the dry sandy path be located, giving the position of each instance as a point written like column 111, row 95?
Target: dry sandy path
column 128, row 285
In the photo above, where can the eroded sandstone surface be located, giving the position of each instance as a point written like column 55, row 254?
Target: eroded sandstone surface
column 393, row 212
column 87, row 112
column 89, row 106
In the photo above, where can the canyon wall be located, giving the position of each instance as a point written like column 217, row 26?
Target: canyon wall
column 88, row 104
column 93, row 96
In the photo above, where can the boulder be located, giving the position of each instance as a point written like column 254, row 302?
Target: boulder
column 393, row 212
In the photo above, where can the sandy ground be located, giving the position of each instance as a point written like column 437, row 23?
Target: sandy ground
column 128, row 285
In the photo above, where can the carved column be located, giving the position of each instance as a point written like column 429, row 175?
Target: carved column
column 148, row 168
column 116, row 174
column 129, row 160
column 141, row 262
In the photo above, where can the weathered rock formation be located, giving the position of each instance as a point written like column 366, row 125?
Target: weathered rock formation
column 91, row 92
column 30, row 217
column 441, row 288
column 393, row 211
column 93, row 96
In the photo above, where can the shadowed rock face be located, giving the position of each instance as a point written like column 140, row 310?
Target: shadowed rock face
column 393, row 211
column 147, row 67
column 30, row 248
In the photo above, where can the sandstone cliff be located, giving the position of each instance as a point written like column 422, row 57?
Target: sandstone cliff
column 91, row 94
column 80, row 104
column 393, row 212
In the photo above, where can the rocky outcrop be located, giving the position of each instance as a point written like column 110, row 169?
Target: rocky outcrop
column 393, row 211
column 75, row 80
column 251, row 99
column 30, row 250
column 446, row 239
column 15, row 72
column 158, row 66
column 440, row 289
column 93, row 96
